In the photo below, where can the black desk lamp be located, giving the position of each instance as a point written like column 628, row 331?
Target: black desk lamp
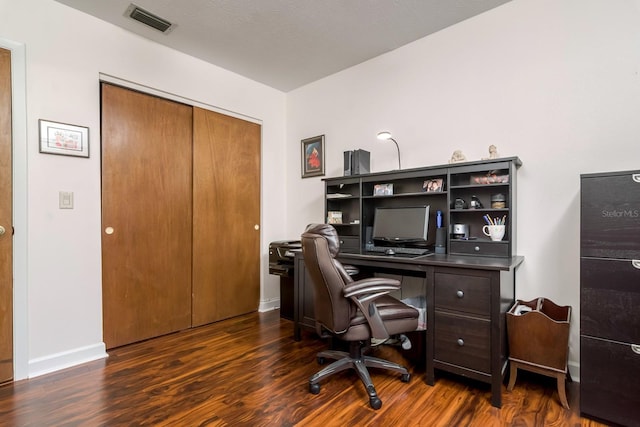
column 386, row 136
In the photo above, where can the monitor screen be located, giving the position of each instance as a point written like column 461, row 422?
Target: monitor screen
column 401, row 224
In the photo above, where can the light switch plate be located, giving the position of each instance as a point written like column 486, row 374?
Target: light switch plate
column 66, row 199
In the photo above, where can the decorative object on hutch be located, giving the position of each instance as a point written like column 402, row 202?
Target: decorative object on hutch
column 610, row 297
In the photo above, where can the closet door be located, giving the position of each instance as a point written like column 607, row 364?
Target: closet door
column 6, row 234
column 226, row 217
column 146, row 215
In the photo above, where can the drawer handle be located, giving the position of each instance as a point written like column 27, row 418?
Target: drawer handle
column 460, row 342
column 460, row 294
column 477, row 249
column 636, row 177
column 635, row 348
column 636, row 263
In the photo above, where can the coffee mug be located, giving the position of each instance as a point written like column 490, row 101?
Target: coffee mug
column 496, row 232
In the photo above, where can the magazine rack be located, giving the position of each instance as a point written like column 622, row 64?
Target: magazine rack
column 538, row 332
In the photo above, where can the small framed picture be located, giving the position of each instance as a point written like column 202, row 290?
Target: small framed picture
column 432, row 185
column 313, row 156
column 383, row 190
column 64, row 139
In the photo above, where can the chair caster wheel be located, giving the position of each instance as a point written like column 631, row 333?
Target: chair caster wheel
column 375, row 402
column 320, row 360
column 314, row 388
column 405, row 378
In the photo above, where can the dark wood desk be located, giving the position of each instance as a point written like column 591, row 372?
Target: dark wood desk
column 466, row 301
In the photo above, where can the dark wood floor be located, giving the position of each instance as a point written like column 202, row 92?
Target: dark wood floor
column 249, row 371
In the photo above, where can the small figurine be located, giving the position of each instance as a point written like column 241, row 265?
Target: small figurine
column 493, row 153
column 457, row 156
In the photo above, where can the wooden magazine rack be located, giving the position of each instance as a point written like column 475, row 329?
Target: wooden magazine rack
column 538, row 332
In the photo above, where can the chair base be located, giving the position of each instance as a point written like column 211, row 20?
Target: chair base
column 356, row 360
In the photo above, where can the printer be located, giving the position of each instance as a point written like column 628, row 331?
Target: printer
column 281, row 254
column 281, row 263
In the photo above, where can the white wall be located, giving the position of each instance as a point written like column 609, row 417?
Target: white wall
column 556, row 83
column 65, row 53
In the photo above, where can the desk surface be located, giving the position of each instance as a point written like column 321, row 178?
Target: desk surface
column 462, row 261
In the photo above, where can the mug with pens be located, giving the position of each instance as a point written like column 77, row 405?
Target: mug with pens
column 495, row 227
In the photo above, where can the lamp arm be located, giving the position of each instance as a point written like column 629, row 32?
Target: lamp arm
column 398, row 148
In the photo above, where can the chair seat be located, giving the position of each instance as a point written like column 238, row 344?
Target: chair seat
column 398, row 318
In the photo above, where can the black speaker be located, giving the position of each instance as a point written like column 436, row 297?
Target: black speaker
column 348, row 162
column 368, row 236
column 441, row 240
column 360, row 162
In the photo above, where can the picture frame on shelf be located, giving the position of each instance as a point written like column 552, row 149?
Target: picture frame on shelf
column 433, row 185
column 313, row 156
column 383, row 190
column 63, row 139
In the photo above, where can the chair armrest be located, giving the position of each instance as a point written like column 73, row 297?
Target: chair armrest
column 364, row 293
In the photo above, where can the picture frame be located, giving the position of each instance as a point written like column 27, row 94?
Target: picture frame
column 313, row 156
column 63, row 139
column 433, row 185
column 383, row 190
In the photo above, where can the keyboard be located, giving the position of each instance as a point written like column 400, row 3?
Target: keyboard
column 401, row 251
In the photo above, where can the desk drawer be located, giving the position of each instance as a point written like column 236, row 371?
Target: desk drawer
column 465, row 293
column 463, row 341
column 478, row 247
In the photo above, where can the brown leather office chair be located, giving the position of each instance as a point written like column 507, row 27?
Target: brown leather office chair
column 353, row 311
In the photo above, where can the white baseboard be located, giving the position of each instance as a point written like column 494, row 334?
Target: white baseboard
column 268, row 305
column 66, row 359
column 574, row 370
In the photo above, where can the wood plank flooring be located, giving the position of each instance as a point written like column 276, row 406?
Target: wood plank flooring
column 248, row 371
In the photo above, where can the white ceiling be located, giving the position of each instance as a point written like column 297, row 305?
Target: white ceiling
column 286, row 44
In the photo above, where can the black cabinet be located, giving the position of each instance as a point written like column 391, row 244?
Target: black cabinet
column 610, row 297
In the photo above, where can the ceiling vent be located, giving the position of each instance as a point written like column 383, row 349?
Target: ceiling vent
column 149, row 19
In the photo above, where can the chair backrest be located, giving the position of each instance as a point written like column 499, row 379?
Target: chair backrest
column 320, row 245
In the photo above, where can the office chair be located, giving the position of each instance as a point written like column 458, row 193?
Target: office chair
column 353, row 311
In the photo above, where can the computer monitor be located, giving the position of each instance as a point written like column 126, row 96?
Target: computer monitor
column 401, row 225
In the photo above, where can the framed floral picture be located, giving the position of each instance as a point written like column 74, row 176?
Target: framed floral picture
column 65, row 139
column 313, row 156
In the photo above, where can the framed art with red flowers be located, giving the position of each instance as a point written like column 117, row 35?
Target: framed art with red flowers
column 313, row 156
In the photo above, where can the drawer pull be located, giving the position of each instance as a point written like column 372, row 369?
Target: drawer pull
column 636, row 263
column 477, row 249
column 636, row 177
column 635, row 348
column 460, row 294
column 460, row 342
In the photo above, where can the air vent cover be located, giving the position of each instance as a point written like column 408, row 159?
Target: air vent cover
column 149, row 19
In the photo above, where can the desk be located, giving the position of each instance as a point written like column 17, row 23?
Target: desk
column 467, row 298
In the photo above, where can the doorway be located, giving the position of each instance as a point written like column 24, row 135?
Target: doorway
column 6, row 221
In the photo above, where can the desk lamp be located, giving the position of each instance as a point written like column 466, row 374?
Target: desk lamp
column 386, row 136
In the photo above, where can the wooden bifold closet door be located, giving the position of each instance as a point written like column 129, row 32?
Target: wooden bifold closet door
column 181, row 212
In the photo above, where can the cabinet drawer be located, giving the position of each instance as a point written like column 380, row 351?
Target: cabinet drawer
column 610, row 215
column 609, row 386
column 349, row 244
column 463, row 293
column 477, row 247
column 463, row 341
column 609, row 299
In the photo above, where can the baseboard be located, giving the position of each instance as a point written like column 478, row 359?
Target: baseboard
column 268, row 305
column 574, row 370
column 66, row 359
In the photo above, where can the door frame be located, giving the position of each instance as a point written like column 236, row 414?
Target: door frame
column 19, row 152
